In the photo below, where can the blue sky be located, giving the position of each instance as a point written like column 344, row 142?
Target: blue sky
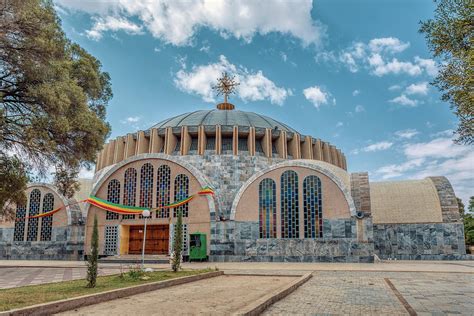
column 354, row 73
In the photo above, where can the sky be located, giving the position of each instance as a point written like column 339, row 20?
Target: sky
column 354, row 73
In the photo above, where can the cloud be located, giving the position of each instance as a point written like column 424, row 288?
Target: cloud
column 387, row 44
column 394, row 87
column 384, row 145
column 407, row 133
column 131, row 119
column 114, row 24
column 177, row 22
column 377, row 57
column 359, row 108
column 404, row 100
column 254, row 86
column 283, row 56
column 355, row 93
column 394, row 170
column 419, row 88
column 437, row 148
column 339, row 124
column 318, row 96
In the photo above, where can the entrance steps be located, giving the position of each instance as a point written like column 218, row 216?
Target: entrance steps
column 135, row 259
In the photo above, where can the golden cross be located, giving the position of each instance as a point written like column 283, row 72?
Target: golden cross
column 225, row 85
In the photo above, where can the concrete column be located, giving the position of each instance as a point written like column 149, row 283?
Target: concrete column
column 235, row 140
column 103, row 158
column 281, row 145
column 333, row 155
column 142, row 143
column 344, row 163
column 317, row 150
column 119, row 146
column 97, row 161
column 111, row 153
column 326, row 152
column 294, row 148
column 170, row 141
column 156, row 142
column 129, row 146
column 251, row 141
column 185, row 140
column 307, row 148
column 339, row 158
column 202, row 140
column 218, row 140
column 267, row 143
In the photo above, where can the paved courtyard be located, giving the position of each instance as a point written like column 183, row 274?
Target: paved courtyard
column 389, row 288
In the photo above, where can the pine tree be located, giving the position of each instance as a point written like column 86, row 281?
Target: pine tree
column 177, row 242
column 92, row 258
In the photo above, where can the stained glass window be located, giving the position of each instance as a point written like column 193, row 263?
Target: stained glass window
column 181, row 191
column 163, row 185
column 47, row 222
column 129, row 190
column 289, row 205
column 19, row 232
column 312, row 205
column 113, row 195
column 35, row 200
column 267, row 208
column 146, row 186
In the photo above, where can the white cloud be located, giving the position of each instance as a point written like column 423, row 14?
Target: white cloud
column 436, row 148
column 114, row 24
column 86, row 174
column 355, row 92
column 359, row 108
column 387, row 44
column 384, row 145
column 283, row 56
column 404, row 100
column 176, row 22
column 205, row 48
column 131, row 119
column 377, row 57
column 394, row 170
column 339, row 124
column 407, row 133
column 318, row 96
column 418, row 88
column 394, row 87
column 254, row 86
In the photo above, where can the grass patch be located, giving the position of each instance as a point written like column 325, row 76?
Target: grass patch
column 44, row 293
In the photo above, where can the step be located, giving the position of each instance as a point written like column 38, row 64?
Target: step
column 131, row 259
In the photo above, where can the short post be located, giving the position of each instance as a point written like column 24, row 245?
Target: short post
column 145, row 214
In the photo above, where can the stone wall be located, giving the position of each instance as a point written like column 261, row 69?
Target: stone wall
column 67, row 243
column 238, row 241
column 360, row 191
column 447, row 199
column 438, row 241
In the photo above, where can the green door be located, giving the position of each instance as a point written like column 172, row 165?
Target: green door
column 197, row 247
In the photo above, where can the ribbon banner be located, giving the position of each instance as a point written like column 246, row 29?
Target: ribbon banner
column 123, row 209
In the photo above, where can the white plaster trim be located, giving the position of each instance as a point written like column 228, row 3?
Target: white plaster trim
column 202, row 179
column 310, row 164
column 55, row 190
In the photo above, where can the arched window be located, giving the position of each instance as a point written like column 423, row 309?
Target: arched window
column 19, row 232
column 181, row 191
column 146, row 186
column 113, row 195
column 312, row 206
column 47, row 222
column 289, row 205
column 35, row 200
column 163, row 186
column 267, row 208
column 129, row 190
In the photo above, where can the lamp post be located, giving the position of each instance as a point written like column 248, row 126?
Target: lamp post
column 146, row 214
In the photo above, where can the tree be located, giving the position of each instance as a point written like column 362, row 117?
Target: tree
column 450, row 37
column 53, row 94
column 461, row 208
column 93, row 256
column 12, row 183
column 470, row 208
column 66, row 181
column 177, row 242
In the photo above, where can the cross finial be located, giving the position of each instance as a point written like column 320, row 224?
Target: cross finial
column 226, row 85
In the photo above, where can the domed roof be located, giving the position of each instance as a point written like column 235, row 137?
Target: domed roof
column 223, row 117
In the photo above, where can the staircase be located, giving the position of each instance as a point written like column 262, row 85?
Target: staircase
column 136, row 259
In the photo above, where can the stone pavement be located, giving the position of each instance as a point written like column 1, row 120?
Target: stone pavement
column 15, row 277
column 368, row 293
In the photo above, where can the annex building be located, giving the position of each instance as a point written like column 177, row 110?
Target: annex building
column 279, row 196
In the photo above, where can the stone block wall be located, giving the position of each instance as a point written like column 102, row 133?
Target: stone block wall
column 360, row 191
column 437, row 241
column 447, row 199
column 67, row 243
column 239, row 241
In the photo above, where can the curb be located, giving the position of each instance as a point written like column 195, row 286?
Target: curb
column 264, row 302
column 86, row 300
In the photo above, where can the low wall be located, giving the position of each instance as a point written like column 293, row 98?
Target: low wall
column 437, row 241
column 238, row 241
column 67, row 243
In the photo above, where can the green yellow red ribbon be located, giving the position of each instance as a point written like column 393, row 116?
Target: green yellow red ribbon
column 123, row 209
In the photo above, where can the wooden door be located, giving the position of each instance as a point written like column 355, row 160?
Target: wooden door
column 157, row 239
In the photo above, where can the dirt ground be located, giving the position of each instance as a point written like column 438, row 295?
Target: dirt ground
column 220, row 295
